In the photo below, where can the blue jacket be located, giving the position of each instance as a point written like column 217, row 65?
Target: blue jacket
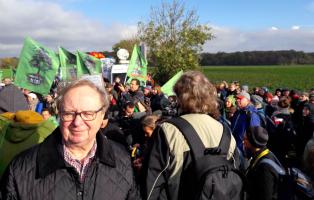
column 240, row 122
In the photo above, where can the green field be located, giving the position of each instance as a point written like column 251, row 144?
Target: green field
column 300, row 77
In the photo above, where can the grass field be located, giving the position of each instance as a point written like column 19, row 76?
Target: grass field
column 300, row 77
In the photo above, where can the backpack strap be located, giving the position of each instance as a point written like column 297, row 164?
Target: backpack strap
column 274, row 165
column 195, row 143
column 225, row 140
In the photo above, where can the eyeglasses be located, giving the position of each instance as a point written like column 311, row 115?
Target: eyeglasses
column 85, row 115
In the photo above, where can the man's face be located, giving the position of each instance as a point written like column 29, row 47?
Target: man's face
column 133, row 86
column 129, row 111
column 242, row 102
column 247, row 145
column 78, row 132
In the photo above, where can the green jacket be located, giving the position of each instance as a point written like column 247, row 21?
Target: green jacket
column 15, row 137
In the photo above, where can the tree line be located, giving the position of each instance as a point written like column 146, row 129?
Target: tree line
column 287, row 57
column 8, row 62
column 221, row 58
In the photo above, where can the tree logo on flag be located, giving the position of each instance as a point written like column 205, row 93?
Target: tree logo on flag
column 42, row 61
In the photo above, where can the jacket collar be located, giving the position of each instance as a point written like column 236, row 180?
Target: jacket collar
column 50, row 156
column 256, row 155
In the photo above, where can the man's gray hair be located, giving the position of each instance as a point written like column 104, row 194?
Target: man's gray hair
column 104, row 97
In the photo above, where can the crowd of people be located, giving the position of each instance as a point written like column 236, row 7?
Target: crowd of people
column 118, row 142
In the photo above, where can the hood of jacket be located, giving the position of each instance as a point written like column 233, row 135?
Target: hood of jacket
column 20, row 126
column 19, row 132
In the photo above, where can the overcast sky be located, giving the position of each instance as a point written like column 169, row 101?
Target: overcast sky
column 95, row 25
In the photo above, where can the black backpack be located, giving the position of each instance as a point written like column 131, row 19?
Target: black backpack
column 293, row 184
column 284, row 134
column 286, row 126
column 209, row 175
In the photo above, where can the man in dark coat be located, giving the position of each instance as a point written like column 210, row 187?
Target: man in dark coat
column 134, row 94
column 262, row 179
column 75, row 161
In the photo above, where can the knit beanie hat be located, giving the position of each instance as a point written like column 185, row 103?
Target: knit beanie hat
column 232, row 99
column 257, row 136
column 257, row 100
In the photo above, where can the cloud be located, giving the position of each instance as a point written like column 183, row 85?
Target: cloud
column 274, row 28
column 48, row 23
column 295, row 27
column 231, row 40
column 52, row 26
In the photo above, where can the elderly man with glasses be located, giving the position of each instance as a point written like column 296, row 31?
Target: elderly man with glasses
column 75, row 161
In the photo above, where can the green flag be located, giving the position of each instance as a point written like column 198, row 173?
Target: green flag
column 137, row 66
column 87, row 64
column 167, row 88
column 68, row 64
column 37, row 67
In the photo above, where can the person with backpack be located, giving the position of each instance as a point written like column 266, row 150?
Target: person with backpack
column 283, row 137
column 175, row 167
column 244, row 117
column 262, row 178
